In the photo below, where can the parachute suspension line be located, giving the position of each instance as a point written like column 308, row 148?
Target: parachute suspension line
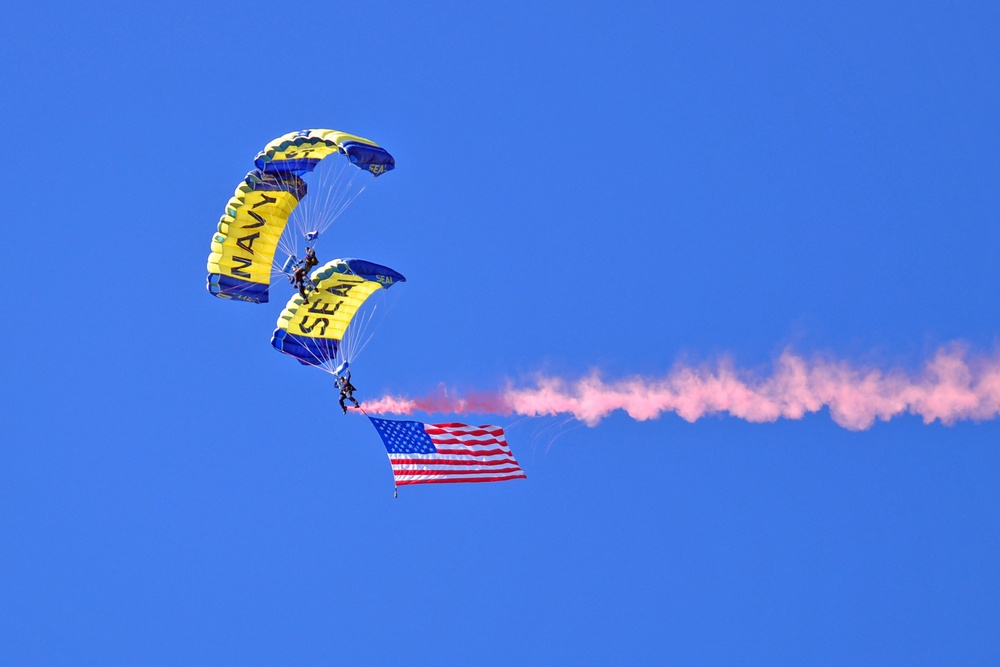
column 350, row 336
column 352, row 342
column 364, row 325
column 365, row 333
column 288, row 243
column 330, row 179
column 336, row 183
column 332, row 186
column 337, row 200
column 285, row 251
column 301, row 217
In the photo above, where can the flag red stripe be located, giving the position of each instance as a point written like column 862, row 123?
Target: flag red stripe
column 439, row 480
column 451, row 462
column 496, row 435
column 448, row 473
column 467, row 441
column 463, row 428
column 463, row 451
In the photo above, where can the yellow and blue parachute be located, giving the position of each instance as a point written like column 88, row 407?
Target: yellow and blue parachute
column 250, row 232
column 316, row 330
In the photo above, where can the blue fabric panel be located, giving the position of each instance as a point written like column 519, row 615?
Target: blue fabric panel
column 364, row 155
column 297, row 166
column 313, row 351
column 228, row 287
column 278, row 181
column 371, row 271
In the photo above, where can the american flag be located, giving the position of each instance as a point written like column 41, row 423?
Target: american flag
column 433, row 453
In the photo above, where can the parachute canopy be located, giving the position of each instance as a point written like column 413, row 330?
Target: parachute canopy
column 249, row 233
column 314, row 330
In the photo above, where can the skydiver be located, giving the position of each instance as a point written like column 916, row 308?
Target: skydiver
column 310, row 258
column 347, row 391
column 302, row 268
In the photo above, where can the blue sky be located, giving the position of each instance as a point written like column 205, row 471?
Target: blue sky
column 579, row 187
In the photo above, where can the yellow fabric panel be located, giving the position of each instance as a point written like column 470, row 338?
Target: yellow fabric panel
column 293, row 152
column 320, row 143
column 330, row 307
column 248, row 236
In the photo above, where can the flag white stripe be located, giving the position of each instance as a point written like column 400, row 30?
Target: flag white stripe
column 453, row 457
column 466, row 437
column 463, row 475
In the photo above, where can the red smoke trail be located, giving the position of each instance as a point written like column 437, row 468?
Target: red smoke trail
column 952, row 386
